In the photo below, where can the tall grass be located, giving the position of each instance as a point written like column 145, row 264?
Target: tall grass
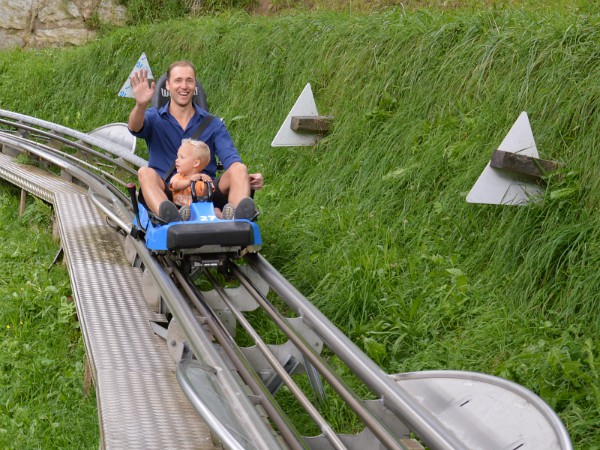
column 144, row 11
column 372, row 223
column 42, row 356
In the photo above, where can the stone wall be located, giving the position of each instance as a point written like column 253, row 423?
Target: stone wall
column 50, row 23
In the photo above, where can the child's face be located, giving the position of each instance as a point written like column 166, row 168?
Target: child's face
column 185, row 163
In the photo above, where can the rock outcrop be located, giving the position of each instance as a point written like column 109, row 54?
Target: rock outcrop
column 51, row 23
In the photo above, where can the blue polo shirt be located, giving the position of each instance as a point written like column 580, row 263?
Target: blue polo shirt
column 163, row 135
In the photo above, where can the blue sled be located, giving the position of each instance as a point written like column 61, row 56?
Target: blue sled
column 203, row 233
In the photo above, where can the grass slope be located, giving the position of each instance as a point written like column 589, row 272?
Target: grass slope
column 42, row 355
column 372, row 224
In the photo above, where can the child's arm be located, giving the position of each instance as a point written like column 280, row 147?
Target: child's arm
column 179, row 183
column 202, row 177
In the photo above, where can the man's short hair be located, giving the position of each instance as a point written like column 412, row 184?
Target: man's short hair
column 200, row 149
column 182, row 63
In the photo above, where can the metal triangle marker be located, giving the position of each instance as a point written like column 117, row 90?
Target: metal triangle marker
column 304, row 106
column 499, row 187
column 116, row 135
column 142, row 63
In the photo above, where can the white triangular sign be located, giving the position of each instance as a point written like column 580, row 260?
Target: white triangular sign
column 500, row 187
column 142, row 63
column 304, row 106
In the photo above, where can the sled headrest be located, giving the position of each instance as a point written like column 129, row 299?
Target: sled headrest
column 161, row 94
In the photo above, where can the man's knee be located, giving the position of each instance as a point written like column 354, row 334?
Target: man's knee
column 145, row 172
column 148, row 176
column 237, row 170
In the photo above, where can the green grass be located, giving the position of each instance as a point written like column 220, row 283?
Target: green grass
column 372, row 224
column 155, row 11
column 42, row 356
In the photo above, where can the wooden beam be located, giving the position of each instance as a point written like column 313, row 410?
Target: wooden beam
column 23, row 202
column 524, row 165
column 56, row 144
column 315, row 124
column 88, row 380
column 411, row 444
column 10, row 151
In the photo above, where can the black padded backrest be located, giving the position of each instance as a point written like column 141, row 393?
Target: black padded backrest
column 161, row 95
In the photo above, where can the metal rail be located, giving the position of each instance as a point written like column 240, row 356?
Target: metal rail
column 242, row 397
column 105, row 198
column 246, row 412
column 315, row 415
column 25, row 122
column 422, row 422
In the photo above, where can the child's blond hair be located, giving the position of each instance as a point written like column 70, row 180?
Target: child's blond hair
column 200, row 150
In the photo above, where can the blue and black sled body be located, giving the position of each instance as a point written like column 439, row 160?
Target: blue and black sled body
column 203, row 233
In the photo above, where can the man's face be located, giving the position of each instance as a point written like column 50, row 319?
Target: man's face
column 181, row 85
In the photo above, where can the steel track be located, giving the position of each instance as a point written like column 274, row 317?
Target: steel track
column 36, row 141
column 234, row 389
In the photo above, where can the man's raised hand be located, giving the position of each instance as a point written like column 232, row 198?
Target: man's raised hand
column 141, row 90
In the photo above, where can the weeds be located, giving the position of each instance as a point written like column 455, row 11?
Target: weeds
column 372, row 223
column 42, row 356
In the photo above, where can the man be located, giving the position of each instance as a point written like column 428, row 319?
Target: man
column 165, row 128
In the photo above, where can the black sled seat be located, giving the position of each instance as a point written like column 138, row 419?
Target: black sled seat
column 194, row 235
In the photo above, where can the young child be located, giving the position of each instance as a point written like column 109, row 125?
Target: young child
column 192, row 157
